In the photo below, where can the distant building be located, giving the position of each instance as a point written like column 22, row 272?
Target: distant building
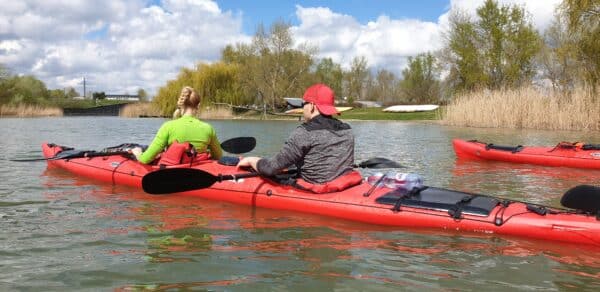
column 128, row 97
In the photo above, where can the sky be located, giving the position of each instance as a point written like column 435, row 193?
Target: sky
column 120, row 46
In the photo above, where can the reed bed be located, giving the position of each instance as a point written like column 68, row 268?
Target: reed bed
column 23, row 110
column 526, row 108
column 141, row 109
column 216, row 112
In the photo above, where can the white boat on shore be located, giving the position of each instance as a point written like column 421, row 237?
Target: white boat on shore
column 411, row 108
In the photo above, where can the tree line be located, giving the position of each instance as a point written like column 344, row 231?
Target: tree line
column 497, row 49
column 27, row 89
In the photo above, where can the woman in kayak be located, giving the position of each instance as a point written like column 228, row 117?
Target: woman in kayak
column 186, row 128
column 322, row 148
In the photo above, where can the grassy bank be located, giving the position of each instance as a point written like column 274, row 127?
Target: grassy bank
column 24, row 110
column 146, row 109
column 526, row 108
column 375, row 113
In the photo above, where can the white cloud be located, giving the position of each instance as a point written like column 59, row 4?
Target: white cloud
column 541, row 11
column 122, row 45
column 114, row 44
column 385, row 42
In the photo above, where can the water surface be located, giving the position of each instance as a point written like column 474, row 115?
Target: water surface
column 62, row 232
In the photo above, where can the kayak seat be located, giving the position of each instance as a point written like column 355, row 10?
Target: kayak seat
column 582, row 197
column 453, row 202
column 513, row 149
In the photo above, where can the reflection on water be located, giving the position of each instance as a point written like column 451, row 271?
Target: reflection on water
column 62, row 231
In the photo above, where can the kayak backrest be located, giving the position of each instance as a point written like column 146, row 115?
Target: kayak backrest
column 582, row 197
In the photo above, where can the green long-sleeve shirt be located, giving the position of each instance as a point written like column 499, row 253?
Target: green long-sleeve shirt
column 185, row 129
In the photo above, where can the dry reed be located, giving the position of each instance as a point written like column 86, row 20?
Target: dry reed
column 149, row 109
column 23, row 110
column 135, row 110
column 528, row 108
column 216, row 112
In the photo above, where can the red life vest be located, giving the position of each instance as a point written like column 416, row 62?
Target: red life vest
column 181, row 153
column 339, row 184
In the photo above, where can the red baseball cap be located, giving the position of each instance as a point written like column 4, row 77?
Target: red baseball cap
column 322, row 96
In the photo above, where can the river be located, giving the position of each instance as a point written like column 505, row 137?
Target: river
column 61, row 232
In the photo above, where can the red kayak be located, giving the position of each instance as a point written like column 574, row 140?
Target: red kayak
column 423, row 207
column 567, row 154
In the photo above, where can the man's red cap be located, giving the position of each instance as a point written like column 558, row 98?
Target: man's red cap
column 322, row 96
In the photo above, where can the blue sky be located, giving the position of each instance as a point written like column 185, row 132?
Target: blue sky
column 255, row 12
column 124, row 45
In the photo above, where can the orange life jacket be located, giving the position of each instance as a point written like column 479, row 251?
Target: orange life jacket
column 339, row 184
column 181, row 153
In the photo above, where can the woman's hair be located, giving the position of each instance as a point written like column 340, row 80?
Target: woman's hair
column 192, row 99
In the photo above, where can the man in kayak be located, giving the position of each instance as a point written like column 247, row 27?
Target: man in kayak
column 322, row 148
column 186, row 128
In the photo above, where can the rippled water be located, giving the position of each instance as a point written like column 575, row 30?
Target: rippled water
column 61, row 232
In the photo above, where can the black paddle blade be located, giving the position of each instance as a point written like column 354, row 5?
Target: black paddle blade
column 582, row 197
column 239, row 145
column 174, row 180
column 66, row 154
column 379, row 162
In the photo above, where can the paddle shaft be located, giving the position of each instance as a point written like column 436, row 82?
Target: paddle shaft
column 235, row 176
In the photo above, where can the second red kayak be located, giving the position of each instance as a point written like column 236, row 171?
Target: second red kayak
column 566, row 154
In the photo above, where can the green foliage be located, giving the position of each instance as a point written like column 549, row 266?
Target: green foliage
column 71, row 92
column 26, row 89
column 142, row 94
column 99, row 95
column 496, row 51
column 356, row 79
column 558, row 57
column 421, row 83
column 383, row 89
column 271, row 69
column 29, row 90
column 331, row 74
column 214, row 83
column 583, row 20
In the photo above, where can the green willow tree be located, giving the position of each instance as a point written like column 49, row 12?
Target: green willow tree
column 421, row 80
column 497, row 50
column 216, row 82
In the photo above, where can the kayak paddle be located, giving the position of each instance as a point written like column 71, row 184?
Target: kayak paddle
column 234, row 145
column 175, row 180
column 379, row 162
column 239, row 145
column 68, row 154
